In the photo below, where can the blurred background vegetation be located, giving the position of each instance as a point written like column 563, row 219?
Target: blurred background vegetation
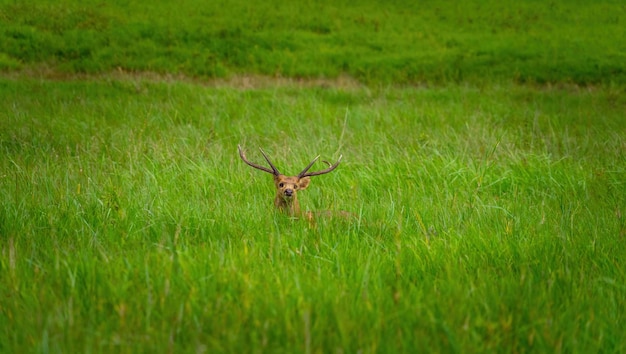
column 399, row 42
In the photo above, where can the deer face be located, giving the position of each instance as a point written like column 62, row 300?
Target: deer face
column 288, row 186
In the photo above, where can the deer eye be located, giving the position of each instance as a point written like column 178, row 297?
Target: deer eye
column 281, row 184
column 295, row 186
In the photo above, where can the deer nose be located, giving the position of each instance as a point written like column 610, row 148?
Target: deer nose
column 288, row 192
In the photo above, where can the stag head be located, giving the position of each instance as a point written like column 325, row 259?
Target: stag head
column 286, row 199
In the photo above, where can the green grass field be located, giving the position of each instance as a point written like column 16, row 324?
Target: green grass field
column 489, row 219
column 489, row 199
column 392, row 42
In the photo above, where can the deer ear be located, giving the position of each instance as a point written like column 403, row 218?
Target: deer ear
column 304, row 182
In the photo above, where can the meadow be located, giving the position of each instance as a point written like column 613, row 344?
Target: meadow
column 396, row 42
column 488, row 196
column 487, row 219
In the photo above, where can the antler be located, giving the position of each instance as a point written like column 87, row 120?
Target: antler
column 304, row 172
column 273, row 171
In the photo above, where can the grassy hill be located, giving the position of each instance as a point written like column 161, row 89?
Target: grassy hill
column 373, row 42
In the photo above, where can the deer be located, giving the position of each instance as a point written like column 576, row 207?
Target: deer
column 287, row 187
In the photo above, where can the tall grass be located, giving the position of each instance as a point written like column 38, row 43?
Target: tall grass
column 489, row 218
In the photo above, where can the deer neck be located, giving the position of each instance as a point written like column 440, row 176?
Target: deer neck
column 288, row 206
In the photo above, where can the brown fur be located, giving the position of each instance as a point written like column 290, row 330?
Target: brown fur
column 287, row 188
